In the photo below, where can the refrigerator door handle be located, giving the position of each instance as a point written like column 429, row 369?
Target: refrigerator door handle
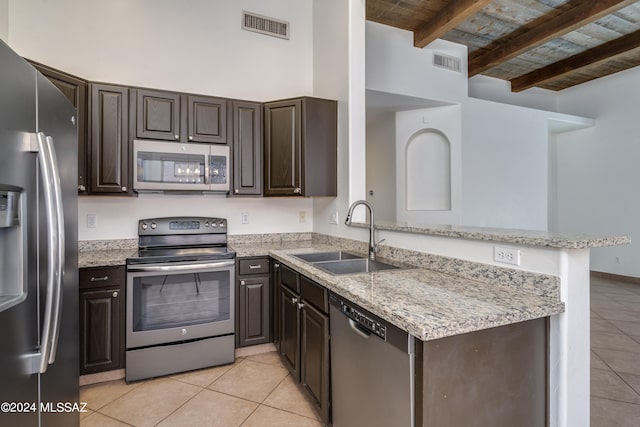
column 57, row 302
column 51, row 213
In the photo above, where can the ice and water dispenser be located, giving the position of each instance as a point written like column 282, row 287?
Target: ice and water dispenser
column 13, row 289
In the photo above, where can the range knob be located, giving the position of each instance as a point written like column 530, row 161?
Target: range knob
column 153, row 225
column 206, row 223
column 214, row 224
column 221, row 224
column 144, row 226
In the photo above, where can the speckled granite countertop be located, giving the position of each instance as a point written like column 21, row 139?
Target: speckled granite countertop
column 426, row 303
column 105, row 253
column 520, row 237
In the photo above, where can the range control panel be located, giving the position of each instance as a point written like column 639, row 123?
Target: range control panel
column 364, row 321
column 181, row 225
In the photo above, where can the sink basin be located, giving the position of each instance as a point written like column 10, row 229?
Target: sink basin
column 351, row 266
column 326, row 256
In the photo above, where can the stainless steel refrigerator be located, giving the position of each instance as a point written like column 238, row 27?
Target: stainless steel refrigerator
column 39, row 366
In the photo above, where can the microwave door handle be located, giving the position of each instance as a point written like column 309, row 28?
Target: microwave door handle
column 60, row 244
column 207, row 169
column 44, row 162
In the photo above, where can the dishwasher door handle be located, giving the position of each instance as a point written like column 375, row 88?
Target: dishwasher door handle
column 358, row 330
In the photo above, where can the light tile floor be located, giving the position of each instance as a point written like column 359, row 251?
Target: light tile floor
column 254, row 391
column 257, row 390
column 615, row 353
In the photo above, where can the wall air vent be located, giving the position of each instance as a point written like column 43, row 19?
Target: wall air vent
column 265, row 25
column 445, row 61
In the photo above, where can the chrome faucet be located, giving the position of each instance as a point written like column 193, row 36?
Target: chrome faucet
column 373, row 246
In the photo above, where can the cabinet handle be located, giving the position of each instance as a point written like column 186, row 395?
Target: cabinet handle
column 236, row 191
column 81, row 187
column 242, row 282
column 124, row 189
column 115, row 294
column 190, row 138
column 253, row 267
column 294, row 300
column 99, row 279
column 297, row 190
column 300, row 306
column 176, row 136
column 276, row 265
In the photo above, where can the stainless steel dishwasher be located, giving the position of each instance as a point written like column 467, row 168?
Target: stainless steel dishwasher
column 372, row 369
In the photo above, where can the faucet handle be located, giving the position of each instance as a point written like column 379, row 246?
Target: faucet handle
column 376, row 247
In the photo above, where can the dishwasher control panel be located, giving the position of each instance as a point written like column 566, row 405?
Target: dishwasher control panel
column 364, row 321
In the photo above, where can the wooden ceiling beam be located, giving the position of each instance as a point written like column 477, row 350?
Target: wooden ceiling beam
column 452, row 15
column 542, row 30
column 593, row 56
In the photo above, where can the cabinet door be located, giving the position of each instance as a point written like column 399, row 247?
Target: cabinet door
column 275, row 292
column 290, row 330
column 207, row 119
column 314, row 356
column 109, row 138
column 282, row 148
column 158, row 115
column 247, row 148
column 75, row 89
column 100, row 338
column 253, row 311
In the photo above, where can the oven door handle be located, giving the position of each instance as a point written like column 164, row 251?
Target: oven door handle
column 178, row 267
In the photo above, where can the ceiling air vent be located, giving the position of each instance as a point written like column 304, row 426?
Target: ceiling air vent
column 445, row 61
column 265, row 25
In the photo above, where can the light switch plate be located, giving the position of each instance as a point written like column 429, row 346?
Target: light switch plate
column 92, row 220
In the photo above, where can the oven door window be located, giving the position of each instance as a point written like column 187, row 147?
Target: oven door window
column 179, row 300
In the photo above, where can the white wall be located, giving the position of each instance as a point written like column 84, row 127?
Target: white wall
column 447, row 120
column 505, row 166
column 166, row 44
column 339, row 39
column 394, row 65
column 497, row 90
column 381, row 160
column 598, row 169
column 4, row 20
column 118, row 216
column 193, row 47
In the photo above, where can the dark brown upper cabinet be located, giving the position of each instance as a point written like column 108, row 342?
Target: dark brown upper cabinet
column 158, row 115
column 75, row 89
column 300, row 147
column 247, row 149
column 109, row 131
column 207, row 119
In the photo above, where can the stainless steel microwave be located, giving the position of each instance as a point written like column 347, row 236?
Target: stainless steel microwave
column 171, row 166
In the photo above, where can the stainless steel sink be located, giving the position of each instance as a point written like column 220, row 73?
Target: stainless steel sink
column 351, row 266
column 326, row 256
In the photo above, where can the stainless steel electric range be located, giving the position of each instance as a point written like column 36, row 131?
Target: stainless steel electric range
column 180, row 297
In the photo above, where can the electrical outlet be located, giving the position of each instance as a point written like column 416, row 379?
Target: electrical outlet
column 334, row 217
column 506, row 255
column 92, row 220
column 244, row 216
column 302, row 216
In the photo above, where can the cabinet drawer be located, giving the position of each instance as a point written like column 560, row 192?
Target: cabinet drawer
column 100, row 277
column 253, row 266
column 314, row 293
column 290, row 278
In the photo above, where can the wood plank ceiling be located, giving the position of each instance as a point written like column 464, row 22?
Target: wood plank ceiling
column 551, row 44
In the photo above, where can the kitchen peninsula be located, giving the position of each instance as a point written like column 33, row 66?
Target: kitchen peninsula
column 434, row 296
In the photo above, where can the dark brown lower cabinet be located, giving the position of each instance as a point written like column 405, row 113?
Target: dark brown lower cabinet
column 314, row 356
column 253, row 313
column 253, row 302
column 102, row 319
column 304, row 336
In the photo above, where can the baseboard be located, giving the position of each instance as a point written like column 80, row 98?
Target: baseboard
column 101, row 377
column 619, row 277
